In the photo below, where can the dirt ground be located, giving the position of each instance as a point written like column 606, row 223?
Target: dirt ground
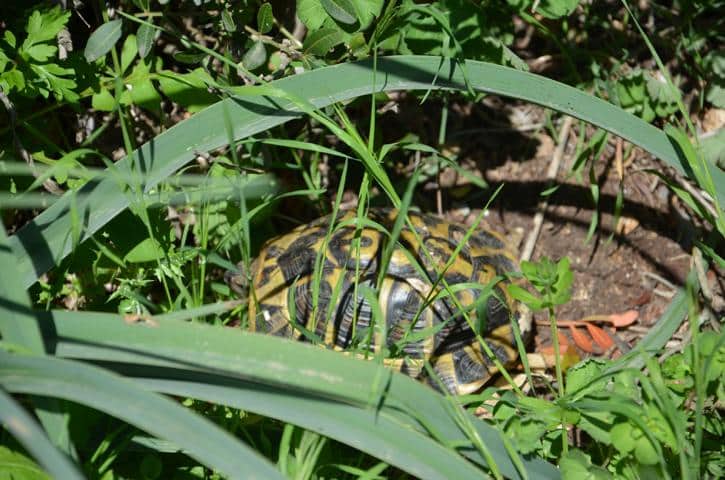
column 637, row 265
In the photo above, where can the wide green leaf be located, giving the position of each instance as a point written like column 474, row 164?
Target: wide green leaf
column 341, row 10
column 102, row 40
column 145, row 39
column 255, row 56
column 45, row 241
column 18, row 324
column 311, row 13
column 265, row 18
column 29, row 434
column 376, row 433
column 122, row 398
column 281, row 367
column 321, row 41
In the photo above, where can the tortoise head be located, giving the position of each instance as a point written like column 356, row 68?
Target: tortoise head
column 238, row 280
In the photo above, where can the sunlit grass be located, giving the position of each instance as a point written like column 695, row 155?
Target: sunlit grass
column 385, row 415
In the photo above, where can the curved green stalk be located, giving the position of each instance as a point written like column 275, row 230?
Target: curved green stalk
column 46, row 240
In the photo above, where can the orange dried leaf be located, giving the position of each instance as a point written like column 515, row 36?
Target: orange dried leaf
column 563, row 341
column 600, row 337
column 625, row 319
column 581, row 340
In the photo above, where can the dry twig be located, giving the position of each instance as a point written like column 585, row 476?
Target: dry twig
column 528, row 249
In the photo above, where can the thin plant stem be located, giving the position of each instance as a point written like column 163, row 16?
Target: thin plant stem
column 559, row 374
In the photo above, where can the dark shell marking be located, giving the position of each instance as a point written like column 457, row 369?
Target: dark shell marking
column 453, row 349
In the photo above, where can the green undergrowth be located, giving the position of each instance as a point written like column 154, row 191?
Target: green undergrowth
column 124, row 352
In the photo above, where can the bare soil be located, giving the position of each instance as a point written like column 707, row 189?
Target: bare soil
column 635, row 265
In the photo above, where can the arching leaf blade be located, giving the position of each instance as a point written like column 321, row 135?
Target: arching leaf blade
column 45, row 241
column 122, row 398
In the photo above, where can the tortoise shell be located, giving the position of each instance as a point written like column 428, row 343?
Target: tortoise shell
column 420, row 319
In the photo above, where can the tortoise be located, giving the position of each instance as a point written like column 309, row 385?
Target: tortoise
column 422, row 320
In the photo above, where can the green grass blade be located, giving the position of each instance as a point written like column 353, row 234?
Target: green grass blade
column 275, row 363
column 44, row 241
column 122, row 398
column 29, row 434
column 308, row 146
column 659, row 334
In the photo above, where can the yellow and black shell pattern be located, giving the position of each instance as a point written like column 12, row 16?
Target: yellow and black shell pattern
column 412, row 298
